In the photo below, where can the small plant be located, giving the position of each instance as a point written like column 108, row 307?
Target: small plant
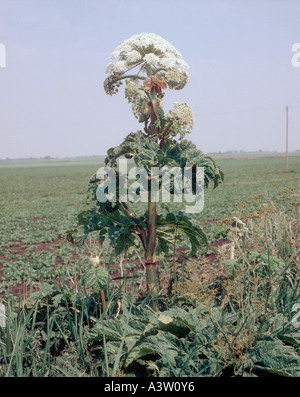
column 148, row 64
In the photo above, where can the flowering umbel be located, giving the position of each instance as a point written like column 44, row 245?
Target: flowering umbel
column 150, row 65
column 183, row 115
column 145, row 49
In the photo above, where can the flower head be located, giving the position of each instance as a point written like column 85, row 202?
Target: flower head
column 134, row 94
column 94, row 260
column 132, row 91
column 145, row 49
column 111, row 85
column 159, row 65
column 176, row 79
column 151, row 59
column 182, row 115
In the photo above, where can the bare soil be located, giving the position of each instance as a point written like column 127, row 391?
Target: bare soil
column 18, row 249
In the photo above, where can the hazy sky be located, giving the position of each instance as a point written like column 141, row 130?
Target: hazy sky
column 52, row 100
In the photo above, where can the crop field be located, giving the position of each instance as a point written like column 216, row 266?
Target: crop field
column 227, row 311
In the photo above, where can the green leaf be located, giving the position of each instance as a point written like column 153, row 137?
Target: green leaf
column 113, row 330
column 57, row 299
column 274, row 357
column 291, row 339
column 181, row 223
column 164, row 344
column 96, row 278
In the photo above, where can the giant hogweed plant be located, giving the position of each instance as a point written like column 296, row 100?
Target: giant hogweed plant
column 148, row 65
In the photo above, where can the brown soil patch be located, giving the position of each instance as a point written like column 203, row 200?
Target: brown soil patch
column 38, row 218
column 49, row 246
column 18, row 248
column 118, row 271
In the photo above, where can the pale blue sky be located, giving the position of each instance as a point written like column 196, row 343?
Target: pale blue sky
column 52, row 100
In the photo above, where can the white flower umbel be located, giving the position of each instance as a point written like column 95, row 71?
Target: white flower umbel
column 134, row 94
column 145, row 48
column 151, row 59
column 133, row 91
column 183, row 115
column 153, row 64
column 176, row 79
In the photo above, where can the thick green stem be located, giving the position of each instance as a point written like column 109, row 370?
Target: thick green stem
column 149, row 70
column 150, row 257
column 150, row 254
column 151, row 232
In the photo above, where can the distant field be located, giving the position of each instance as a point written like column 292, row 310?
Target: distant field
column 247, row 176
column 40, row 200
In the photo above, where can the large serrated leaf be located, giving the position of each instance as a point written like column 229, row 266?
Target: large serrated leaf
column 274, row 357
column 182, row 224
